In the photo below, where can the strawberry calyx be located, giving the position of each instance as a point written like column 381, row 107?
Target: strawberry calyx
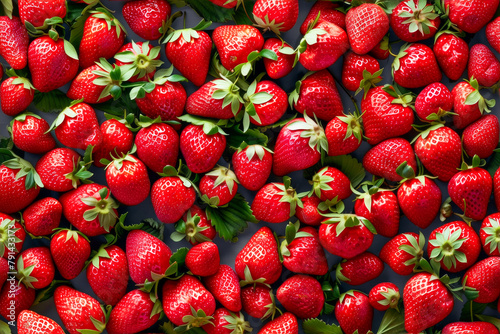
column 349, row 293
column 189, row 229
column 252, row 150
column 267, row 25
column 476, row 163
column 345, row 220
column 294, row 96
column 140, row 88
column 338, row 273
column 222, row 175
column 433, row 268
column 406, row 100
column 186, row 33
column 311, row 129
column 320, row 182
column 19, row 80
column 419, row 17
column 369, row 188
column 70, row 234
column 333, row 205
column 407, row 173
column 249, row 280
column 237, row 323
column 111, row 21
column 391, row 298
column 66, row 112
column 26, row 169
column 181, row 173
column 102, row 207
column 493, row 235
column 81, row 167
column 8, row 238
column 370, row 80
column 51, row 23
column 102, row 253
column 446, row 210
column 288, row 194
column 396, row 64
column 251, row 99
column 197, row 319
column 143, row 58
column 447, row 244
column 291, row 233
column 118, row 161
column 228, row 92
column 24, row 273
column 99, row 325
column 415, row 249
column 111, row 77
column 476, row 97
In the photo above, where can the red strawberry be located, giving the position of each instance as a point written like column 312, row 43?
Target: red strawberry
column 483, row 65
column 366, row 25
column 278, row 16
column 403, row 252
column 284, row 324
column 468, row 104
column 317, row 94
column 301, row 295
column 117, row 139
column 14, row 42
column 354, row 312
column 10, row 228
column 182, row 296
column 4, row 270
column 360, row 269
column 203, row 259
column 16, row 94
column 414, row 20
column 37, row 11
column 78, row 311
column 235, row 42
column 252, row 165
column 225, row 322
column 266, row 102
column 481, row 137
column 330, row 183
column 146, row 17
column 225, row 287
column 310, row 214
column 70, row 250
column 194, row 227
column 59, row 169
column 452, row 54
column 470, row 16
column 327, row 12
column 52, row 63
column 157, row 146
column 384, row 296
column 275, row 202
column 381, row 51
column 343, row 134
column 435, row 99
column 172, row 196
column 479, row 327
column 416, row 66
column 29, row 322
column 260, row 256
column 35, row 267
column 146, row 256
column 482, row 278
column 322, row 46
column 15, row 298
column 107, row 274
column 258, row 301
column 492, row 33
column 353, row 69
column 219, row 186
column 30, row 134
column 489, row 234
column 304, row 254
column 496, row 188
column 143, row 57
column 279, row 68
column 225, row 3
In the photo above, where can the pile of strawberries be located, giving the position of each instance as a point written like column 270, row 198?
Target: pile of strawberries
column 212, row 161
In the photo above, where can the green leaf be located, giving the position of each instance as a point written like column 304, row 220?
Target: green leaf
column 153, row 227
column 48, row 292
column 74, row 11
column 252, row 136
column 5, row 328
column 471, row 308
column 7, row 8
column 211, row 12
column 240, row 16
column 316, row 326
column 392, row 322
column 493, row 163
column 179, row 256
column 51, row 102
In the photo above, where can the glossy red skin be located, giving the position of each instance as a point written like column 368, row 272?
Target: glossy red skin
column 420, row 202
column 466, row 114
column 432, row 99
column 271, row 111
column 319, row 96
column 8, row 224
column 44, row 269
column 14, row 42
column 483, row 65
column 181, row 54
column 224, row 3
column 366, row 25
column 382, row 119
column 266, row 205
column 381, row 51
column 117, row 139
column 301, row 295
column 36, row 12
column 483, row 276
column 475, row 186
column 361, row 268
column 201, row 151
column 306, row 254
column 209, row 232
column 327, row 11
column 201, row 103
column 338, row 144
column 171, row 198
column 260, row 254
column 328, row 48
column 29, row 322
column 452, row 54
column 353, row 67
column 471, row 247
column 340, row 185
column 376, row 296
column 145, row 17
column 13, row 194
column 440, row 152
column 235, row 42
column 309, row 214
column 80, row 131
column 69, row 255
column 132, row 314
column 224, row 286
column 221, row 191
column 492, row 34
column 396, row 257
column 50, row 69
column 180, row 295
column 109, row 280
column 426, row 302
column 471, row 16
column 157, row 146
column 284, row 324
column 32, row 136
column 4, row 271
column 477, row 327
column 351, row 242
column 219, row 322
column 354, row 313
column 384, row 214
column 496, row 188
column 284, row 12
column 167, row 101
column 14, row 98
column 203, row 259
column 130, row 184
column 418, row 68
column 146, row 254
column 481, row 137
column 83, row 87
column 401, row 29
column 54, row 165
column 483, row 235
column 254, row 300
column 277, row 69
column 253, row 173
column 17, row 294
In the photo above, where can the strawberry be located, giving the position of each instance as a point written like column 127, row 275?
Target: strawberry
column 310, row 214
column 414, row 20
column 284, row 324
column 434, row 100
column 470, row 16
column 275, row 202
column 360, row 269
column 225, row 322
column 301, row 137
column 128, row 180
column 330, row 183
column 4, row 270
column 327, row 11
column 483, row 65
column 185, row 45
column 452, row 54
column 70, row 250
column 225, row 3
column 427, row 301
column 481, row 137
column 194, row 226
column 157, row 146
column 265, row 103
column 489, row 234
column 381, row 51
column 386, row 114
column 492, row 35
column 10, row 228
column 30, row 134
column 37, row 11
column 35, row 267
column 353, row 69
column 258, row 301
column 281, row 67
column 322, row 46
column 16, row 94
column 147, row 17
column 403, row 252
column 147, row 256
column 416, row 66
column 29, row 322
column 482, row 278
column 354, row 312
column 90, row 209
column 135, row 312
column 187, row 302
column 52, row 63
column 384, row 296
column 252, row 165
column 479, row 327
column 384, row 158
column 317, row 94
column 203, row 259
column 78, row 311
column 301, row 295
column 278, row 16
column 468, row 104
column 15, row 298
column 470, row 189
column 103, row 36
column 366, row 25
column 107, row 274
column 235, row 42
column 225, row 287
column 117, row 139
column 14, row 42
column 258, row 260
column 142, row 57
column 496, row 188
column 219, row 186
column 344, row 134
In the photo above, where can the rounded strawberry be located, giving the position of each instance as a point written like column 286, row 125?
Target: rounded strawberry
column 226, row 322
column 481, row 137
column 37, row 11
column 483, row 65
column 403, row 252
column 203, row 259
column 490, row 234
column 157, row 146
column 384, row 296
column 433, row 101
column 301, row 295
column 354, row 67
column 225, row 287
column 285, row 323
column 258, row 301
column 14, row 42
column 278, row 16
column 366, row 25
column 265, row 103
column 492, row 34
column 381, row 51
column 146, row 17
column 482, row 280
column 194, row 226
column 472, row 327
column 452, row 54
column 281, row 67
column 29, row 322
column 35, row 267
column 327, row 11
column 16, row 94
column 219, row 186
column 15, row 298
column 70, row 250
column 360, row 269
column 344, row 134
column 330, row 183
column 117, row 139
column 252, row 165
column 275, row 202
column 309, row 213
column 416, row 66
column 30, row 134
column 414, row 20
column 354, row 312
column 59, row 169
column 470, row 17
column 468, row 104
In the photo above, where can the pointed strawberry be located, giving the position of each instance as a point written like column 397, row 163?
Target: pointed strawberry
column 203, row 259
column 143, row 58
column 225, row 287
column 277, row 16
column 146, row 18
column 219, row 186
column 43, row 216
column 415, row 66
column 384, row 296
column 414, row 20
column 366, row 25
column 30, row 134
column 354, row 312
column 360, row 269
column 258, row 301
column 433, row 101
column 470, row 17
column 481, row 137
column 301, row 295
column 483, row 65
column 252, row 165
column 468, row 103
column 14, row 42
column 452, row 54
column 16, row 94
column 490, row 234
column 281, row 67
column 70, row 250
column 35, row 267
column 403, row 252
column 29, row 322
